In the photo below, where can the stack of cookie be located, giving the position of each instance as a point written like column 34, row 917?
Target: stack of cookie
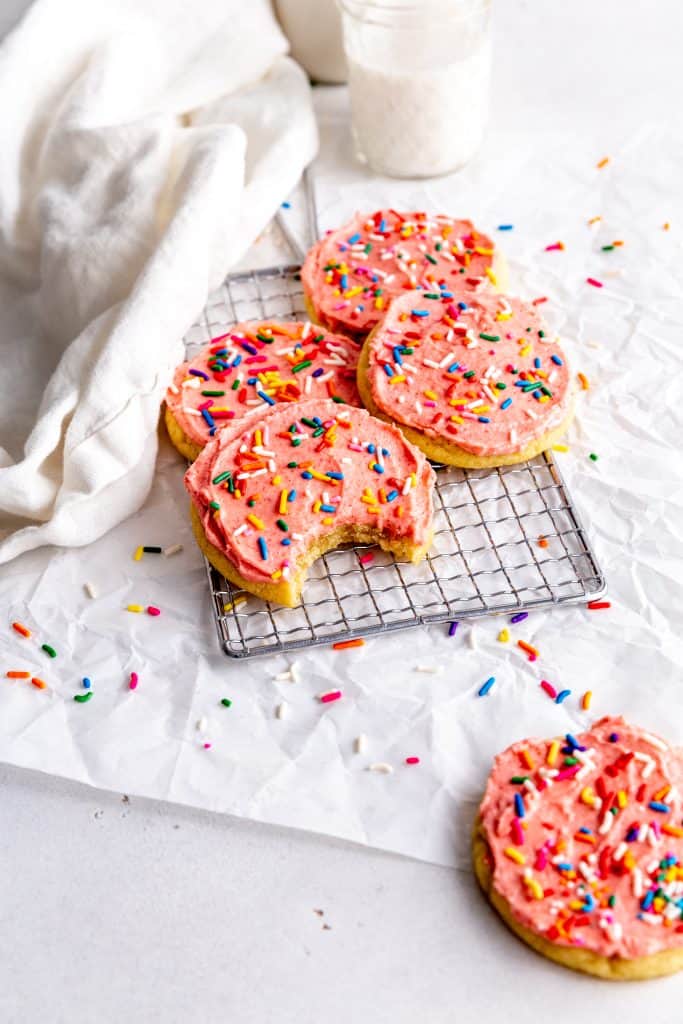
column 409, row 320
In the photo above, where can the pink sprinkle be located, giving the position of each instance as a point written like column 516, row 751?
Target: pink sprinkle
column 541, row 858
column 537, row 302
column 354, row 447
column 517, row 832
column 132, row 685
column 596, row 284
column 532, row 657
column 429, row 402
column 206, row 405
column 221, row 337
column 207, row 746
column 327, row 698
column 367, row 559
column 153, row 611
column 549, row 688
column 567, row 773
column 412, row 760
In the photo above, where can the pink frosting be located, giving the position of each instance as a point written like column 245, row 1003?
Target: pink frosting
column 352, row 273
column 453, row 368
column 599, row 836
column 310, row 468
column 242, row 366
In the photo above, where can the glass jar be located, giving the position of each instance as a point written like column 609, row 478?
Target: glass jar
column 419, row 76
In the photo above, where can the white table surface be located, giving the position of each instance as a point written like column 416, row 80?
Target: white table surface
column 113, row 909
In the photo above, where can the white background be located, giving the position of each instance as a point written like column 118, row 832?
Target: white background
column 152, row 912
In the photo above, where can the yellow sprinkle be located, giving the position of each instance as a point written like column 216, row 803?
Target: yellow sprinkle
column 525, row 351
column 587, row 796
column 353, row 291
column 379, row 302
column 328, row 521
column 622, row 798
column 316, row 506
column 602, row 163
column 431, row 394
column 560, row 448
column 276, row 575
column 543, row 398
column 231, row 605
column 283, row 503
column 138, row 554
column 483, row 252
column 491, row 276
column 255, row 521
column 553, row 751
column 277, row 480
column 672, row 830
column 135, row 608
column 504, row 636
column 398, row 379
column 594, row 220
column 586, row 700
column 584, row 381
column 666, row 226
column 535, row 887
column 374, row 509
column 515, row 855
column 457, row 419
column 258, row 438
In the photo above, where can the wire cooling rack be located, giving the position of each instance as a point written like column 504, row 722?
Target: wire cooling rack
column 485, row 557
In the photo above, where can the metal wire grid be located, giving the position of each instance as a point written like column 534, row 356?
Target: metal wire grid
column 485, row 557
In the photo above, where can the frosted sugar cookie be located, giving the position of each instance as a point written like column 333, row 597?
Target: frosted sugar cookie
column 273, row 493
column 352, row 274
column 579, row 847
column 476, row 381
column 256, row 365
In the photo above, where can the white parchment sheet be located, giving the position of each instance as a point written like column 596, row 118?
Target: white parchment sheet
column 301, row 770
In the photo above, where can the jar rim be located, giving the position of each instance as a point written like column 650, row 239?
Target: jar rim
column 371, row 11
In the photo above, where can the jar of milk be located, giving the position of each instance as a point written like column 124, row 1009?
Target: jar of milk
column 419, row 78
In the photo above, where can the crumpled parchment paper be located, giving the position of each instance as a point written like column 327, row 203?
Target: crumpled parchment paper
column 302, row 770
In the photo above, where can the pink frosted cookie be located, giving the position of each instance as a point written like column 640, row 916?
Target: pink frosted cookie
column 254, row 366
column 272, row 493
column 579, row 847
column 351, row 275
column 475, row 381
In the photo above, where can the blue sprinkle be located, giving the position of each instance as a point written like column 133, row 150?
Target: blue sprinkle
column 236, row 361
column 318, row 373
column 200, row 373
column 446, row 295
column 265, row 397
column 614, row 737
column 371, row 449
column 519, row 617
column 586, row 831
column 483, row 419
column 353, row 239
column 562, row 696
column 564, row 866
column 86, row 683
column 328, row 508
column 483, row 690
column 590, row 902
column 286, row 542
column 388, row 370
column 506, row 404
column 306, row 475
column 343, row 282
column 385, row 451
column 382, row 226
column 648, row 900
column 572, row 741
column 538, row 395
column 285, row 206
column 377, row 468
column 420, row 312
column 453, row 628
column 462, row 305
column 505, row 227
column 291, row 496
column 397, row 355
column 252, row 380
column 334, row 475
column 632, row 835
column 392, row 495
column 519, row 805
column 251, row 349
column 263, row 548
column 557, row 361
column 657, row 805
column 208, row 417
column 537, row 363
column 453, row 367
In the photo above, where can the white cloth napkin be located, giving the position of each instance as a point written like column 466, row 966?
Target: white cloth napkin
column 145, row 144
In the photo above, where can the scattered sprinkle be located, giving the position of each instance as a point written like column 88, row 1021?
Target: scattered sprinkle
column 90, row 590
column 504, row 636
column 39, row 684
column 562, row 696
column 595, row 606
column 173, row 550
column 342, row 645
column 519, row 617
column 50, row 651
column 412, row 760
column 86, row 683
column 226, row 702
column 382, row 767
column 542, row 542
column 586, row 700
column 483, row 690
column 505, row 227
column 602, row 163
column 232, row 605
column 152, row 549
column 583, row 380
column 285, row 205
column 16, row 674
column 137, row 555
column 22, row 630
column 361, row 743
column 592, row 280
column 281, row 711
column 560, row 447
column 555, row 246
column 133, row 682
column 367, row 558
column 434, row 670
column 135, row 608
column 549, row 688
column 527, row 648
column 329, row 696
column 152, row 610
column 83, row 698
column 453, row 628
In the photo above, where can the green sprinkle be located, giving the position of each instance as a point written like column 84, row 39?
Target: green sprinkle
column 214, row 505
column 470, row 373
column 83, row 698
column 368, row 248
column 235, row 384
column 431, row 259
column 52, row 652
column 213, row 394
column 541, row 334
column 221, row 477
column 251, row 502
column 282, row 524
column 338, row 399
column 501, row 386
column 318, row 337
column 226, row 702
column 439, row 246
column 607, row 248
column 302, row 366
column 309, row 422
column 264, row 337
column 490, row 337
column 612, row 900
column 462, row 270
column 296, row 441
column 408, row 351
column 292, row 465
column 593, row 457
column 430, row 295
column 519, row 780
column 569, row 761
column 318, row 431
